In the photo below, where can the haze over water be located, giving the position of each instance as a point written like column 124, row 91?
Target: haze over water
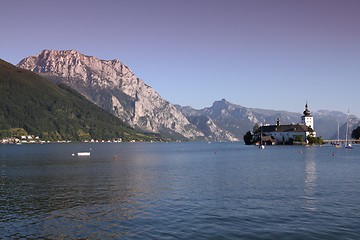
column 179, row 191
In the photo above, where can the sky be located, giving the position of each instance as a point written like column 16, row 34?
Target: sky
column 269, row 54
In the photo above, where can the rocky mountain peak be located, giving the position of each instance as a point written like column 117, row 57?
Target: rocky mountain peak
column 224, row 104
column 114, row 87
column 69, row 64
column 221, row 103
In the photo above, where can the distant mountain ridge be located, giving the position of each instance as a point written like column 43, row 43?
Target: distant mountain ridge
column 114, row 87
column 236, row 120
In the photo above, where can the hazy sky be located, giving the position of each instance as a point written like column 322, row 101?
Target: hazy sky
column 272, row 54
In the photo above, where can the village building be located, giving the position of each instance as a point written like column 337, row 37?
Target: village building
column 287, row 134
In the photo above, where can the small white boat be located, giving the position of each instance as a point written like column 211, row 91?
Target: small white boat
column 349, row 146
column 83, row 153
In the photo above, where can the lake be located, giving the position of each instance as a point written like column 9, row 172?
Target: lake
column 179, row 191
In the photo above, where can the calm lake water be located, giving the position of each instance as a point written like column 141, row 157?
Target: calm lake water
column 179, row 191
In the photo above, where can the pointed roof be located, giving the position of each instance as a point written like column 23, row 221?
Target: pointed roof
column 307, row 112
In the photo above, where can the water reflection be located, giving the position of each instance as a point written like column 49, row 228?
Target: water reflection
column 310, row 181
column 46, row 191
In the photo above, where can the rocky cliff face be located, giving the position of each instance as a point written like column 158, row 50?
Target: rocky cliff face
column 114, row 87
column 224, row 120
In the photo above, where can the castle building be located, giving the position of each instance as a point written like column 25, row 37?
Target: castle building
column 287, row 134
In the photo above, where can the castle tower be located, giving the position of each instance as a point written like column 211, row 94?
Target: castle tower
column 307, row 119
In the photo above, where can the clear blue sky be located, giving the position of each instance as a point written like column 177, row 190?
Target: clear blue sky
column 272, row 54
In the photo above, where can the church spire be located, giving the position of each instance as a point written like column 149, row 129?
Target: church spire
column 307, row 112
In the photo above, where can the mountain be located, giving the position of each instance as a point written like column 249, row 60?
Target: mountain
column 39, row 107
column 210, row 129
column 115, row 88
column 236, row 120
column 230, row 119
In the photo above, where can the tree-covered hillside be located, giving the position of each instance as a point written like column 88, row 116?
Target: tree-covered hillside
column 54, row 112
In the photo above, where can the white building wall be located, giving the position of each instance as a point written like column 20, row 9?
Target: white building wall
column 308, row 121
column 286, row 136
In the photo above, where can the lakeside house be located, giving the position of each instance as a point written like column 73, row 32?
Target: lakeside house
column 287, row 134
column 21, row 139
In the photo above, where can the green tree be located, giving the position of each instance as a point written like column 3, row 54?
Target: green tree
column 315, row 140
column 13, row 132
column 248, row 138
column 298, row 138
column 356, row 133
